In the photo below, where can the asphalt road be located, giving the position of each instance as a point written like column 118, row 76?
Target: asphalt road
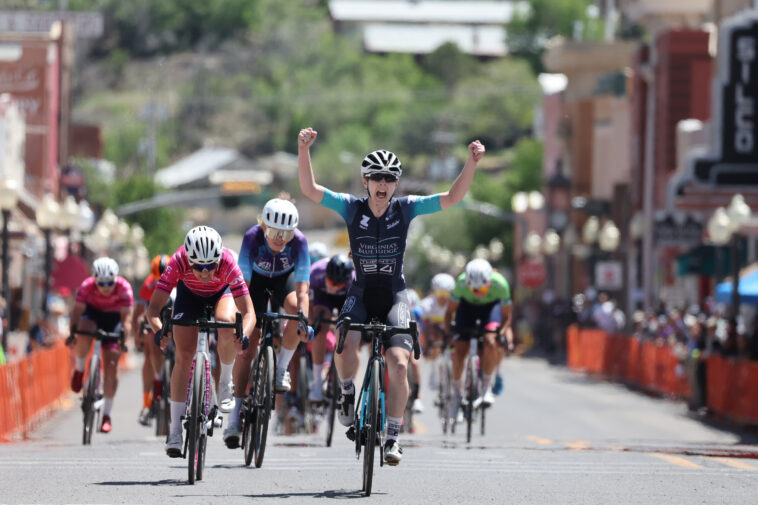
column 553, row 437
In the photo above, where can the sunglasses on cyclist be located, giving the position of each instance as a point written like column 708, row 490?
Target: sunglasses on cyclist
column 388, row 178
column 105, row 284
column 277, row 234
column 481, row 290
column 204, row 267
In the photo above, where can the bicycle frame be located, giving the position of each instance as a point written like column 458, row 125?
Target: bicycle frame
column 371, row 414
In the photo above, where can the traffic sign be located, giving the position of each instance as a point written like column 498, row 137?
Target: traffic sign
column 531, row 274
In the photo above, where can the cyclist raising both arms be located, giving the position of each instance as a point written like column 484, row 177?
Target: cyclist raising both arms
column 274, row 259
column 103, row 302
column 152, row 386
column 378, row 227
column 330, row 281
column 203, row 273
column 484, row 295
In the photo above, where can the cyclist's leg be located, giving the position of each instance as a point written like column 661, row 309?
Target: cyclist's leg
column 397, row 357
column 83, row 344
column 347, row 362
column 227, row 351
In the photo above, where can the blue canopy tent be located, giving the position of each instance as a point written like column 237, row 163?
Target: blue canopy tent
column 748, row 288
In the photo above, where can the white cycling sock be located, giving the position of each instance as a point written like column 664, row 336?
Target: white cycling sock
column 226, row 373
column 177, row 411
column 347, row 386
column 80, row 363
column 393, row 427
column 317, row 376
column 285, row 356
column 107, row 406
column 157, row 376
column 486, row 382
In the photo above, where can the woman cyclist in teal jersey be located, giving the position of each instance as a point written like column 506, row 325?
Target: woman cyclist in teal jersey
column 378, row 227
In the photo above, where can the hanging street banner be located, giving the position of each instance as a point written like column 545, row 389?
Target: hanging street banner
column 87, row 25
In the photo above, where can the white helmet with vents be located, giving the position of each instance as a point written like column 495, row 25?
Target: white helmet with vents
column 443, row 282
column 203, row 245
column 105, row 269
column 478, row 273
column 381, row 162
column 280, row 214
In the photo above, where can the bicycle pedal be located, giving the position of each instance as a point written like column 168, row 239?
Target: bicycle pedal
column 350, row 433
column 218, row 421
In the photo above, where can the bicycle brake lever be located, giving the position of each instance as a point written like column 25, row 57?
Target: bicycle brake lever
column 245, row 342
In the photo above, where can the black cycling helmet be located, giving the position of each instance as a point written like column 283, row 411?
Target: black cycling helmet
column 339, row 269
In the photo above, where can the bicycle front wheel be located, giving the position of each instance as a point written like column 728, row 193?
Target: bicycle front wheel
column 247, row 418
column 90, row 397
column 471, row 395
column 264, row 401
column 303, row 388
column 370, row 425
column 331, row 397
column 197, row 392
column 444, row 397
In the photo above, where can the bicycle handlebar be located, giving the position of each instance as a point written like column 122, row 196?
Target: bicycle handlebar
column 299, row 317
column 204, row 324
column 101, row 335
column 379, row 329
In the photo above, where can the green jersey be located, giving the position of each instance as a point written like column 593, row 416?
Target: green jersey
column 499, row 291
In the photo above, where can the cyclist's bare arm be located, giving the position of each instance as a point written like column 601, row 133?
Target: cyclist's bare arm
column 157, row 302
column 506, row 330
column 461, row 184
column 76, row 314
column 245, row 306
column 126, row 322
column 451, row 308
column 308, row 185
column 302, row 292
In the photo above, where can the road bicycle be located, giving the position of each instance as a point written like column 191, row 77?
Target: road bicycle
column 201, row 410
column 370, row 424
column 331, row 388
column 92, row 393
column 259, row 402
column 445, row 401
column 472, row 380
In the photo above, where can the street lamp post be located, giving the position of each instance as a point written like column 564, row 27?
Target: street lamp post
column 69, row 218
column 8, row 200
column 84, row 224
column 47, row 216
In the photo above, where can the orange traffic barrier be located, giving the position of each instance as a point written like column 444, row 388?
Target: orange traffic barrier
column 28, row 388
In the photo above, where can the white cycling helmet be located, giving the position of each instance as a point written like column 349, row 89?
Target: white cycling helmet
column 203, row 245
column 478, row 273
column 105, row 269
column 280, row 214
column 317, row 251
column 443, row 282
column 381, row 162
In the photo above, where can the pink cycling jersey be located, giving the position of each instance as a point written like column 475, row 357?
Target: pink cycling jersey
column 227, row 274
column 121, row 296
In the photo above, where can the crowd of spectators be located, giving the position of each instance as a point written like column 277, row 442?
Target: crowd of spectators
column 691, row 330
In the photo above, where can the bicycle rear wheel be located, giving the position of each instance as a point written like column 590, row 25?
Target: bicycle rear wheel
column 90, row 397
column 264, row 402
column 193, row 423
column 331, row 398
column 370, row 425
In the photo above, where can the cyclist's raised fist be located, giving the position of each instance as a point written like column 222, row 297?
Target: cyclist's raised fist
column 476, row 150
column 306, row 137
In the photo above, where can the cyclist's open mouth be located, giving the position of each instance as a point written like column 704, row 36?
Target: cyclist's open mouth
column 381, row 194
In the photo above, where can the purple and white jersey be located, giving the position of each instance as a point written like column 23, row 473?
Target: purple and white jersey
column 256, row 256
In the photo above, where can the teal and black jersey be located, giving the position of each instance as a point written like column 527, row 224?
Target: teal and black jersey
column 378, row 244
